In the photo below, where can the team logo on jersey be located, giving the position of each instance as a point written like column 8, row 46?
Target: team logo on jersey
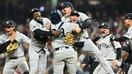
column 104, row 45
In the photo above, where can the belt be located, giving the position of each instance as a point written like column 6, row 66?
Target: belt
column 61, row 47
column 14, row 57
column 109, row 59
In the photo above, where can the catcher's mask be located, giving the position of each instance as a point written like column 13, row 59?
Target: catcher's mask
column 55, row 16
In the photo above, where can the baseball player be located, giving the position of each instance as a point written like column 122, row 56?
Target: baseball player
column 128, row 34
column 87, row 45
column 39, row 27
column 110, row 49
column 15, row 58
column 64, row 54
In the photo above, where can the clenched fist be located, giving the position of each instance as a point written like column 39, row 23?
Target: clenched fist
column 77, row 29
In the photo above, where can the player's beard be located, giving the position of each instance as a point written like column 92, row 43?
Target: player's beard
column 128, row 25
column 39, row 18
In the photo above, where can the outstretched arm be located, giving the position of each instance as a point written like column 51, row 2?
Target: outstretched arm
column 121, row 39
column 85, row 24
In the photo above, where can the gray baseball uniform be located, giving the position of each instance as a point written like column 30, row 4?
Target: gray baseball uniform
column 37, row 55
column 89, row 47
column 16, row 57
column 64, row 54
column 129, row 35
column 108, row 51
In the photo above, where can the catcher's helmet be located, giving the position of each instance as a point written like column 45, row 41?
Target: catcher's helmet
column 9, row 23
column 55, row 16
column 66, row 4
column 33, row 10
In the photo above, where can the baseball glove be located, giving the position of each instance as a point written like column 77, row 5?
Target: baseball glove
column 12, row 46
column 69, row 39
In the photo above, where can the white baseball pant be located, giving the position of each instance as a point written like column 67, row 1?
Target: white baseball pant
column 65, row 56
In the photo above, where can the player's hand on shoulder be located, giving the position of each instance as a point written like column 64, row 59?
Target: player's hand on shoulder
column 56, row 32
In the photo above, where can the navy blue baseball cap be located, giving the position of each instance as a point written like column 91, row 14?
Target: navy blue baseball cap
column 66, row 4
column 128, row 16
column 9, row 23
column 104, row 25
column 33, row 10
column 74, row 13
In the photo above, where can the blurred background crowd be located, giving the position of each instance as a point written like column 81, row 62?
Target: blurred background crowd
column 108, row 11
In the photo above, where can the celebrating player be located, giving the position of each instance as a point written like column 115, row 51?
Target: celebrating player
column 87, row 45
column 64, row 54
column 110, row 49
column 127, row 36
column 15, row 53
column 39, row 27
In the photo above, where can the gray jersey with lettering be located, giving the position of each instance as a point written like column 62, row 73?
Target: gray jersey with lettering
column 107, row 48
column 82, row 18
column 128, row 34
column 65, row 28
column 35, row 25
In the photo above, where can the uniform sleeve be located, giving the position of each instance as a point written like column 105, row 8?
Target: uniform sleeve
column 83, row 16
column 25, row 39
column 33, row 25
column 128, row 34
column 118, row 50
column 117, row 44
column 46, row 21
column 2, row 40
